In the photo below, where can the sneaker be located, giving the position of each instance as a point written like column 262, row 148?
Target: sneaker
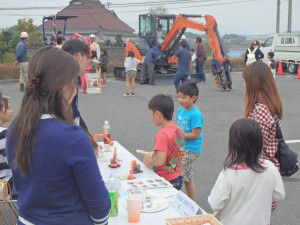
column 127, row 95
column 132, row 94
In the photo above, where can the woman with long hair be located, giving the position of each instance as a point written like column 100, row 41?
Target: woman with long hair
column 263, row 104
column 54, row 167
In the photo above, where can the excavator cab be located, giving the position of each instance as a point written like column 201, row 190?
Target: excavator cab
column 148, row 24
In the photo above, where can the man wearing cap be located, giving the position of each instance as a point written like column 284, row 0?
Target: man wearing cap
column 183, row 40
column 22, row 59
column 94, row 45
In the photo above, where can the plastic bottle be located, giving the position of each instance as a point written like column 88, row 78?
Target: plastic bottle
column 113, row 194
column 106, row 130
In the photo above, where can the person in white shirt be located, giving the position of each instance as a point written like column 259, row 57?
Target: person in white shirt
column 95, row 46
column 245, row 188
column 60, row 41
column 159, row 34
column 130, row 64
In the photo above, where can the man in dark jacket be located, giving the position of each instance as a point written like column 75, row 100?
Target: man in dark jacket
column 79, row 50
column 148, row 65
column 200, row 60
column 184, row 60
column 22, row 59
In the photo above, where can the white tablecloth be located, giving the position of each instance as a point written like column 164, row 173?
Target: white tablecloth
column 126, row 157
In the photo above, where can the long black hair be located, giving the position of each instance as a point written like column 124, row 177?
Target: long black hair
column 245, row 144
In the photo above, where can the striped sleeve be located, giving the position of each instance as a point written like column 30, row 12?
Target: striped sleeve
column 5, row 172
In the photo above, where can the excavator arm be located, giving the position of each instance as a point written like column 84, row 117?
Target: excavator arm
column 210, row 28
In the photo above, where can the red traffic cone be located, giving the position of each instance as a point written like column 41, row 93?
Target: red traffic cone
column 280, row 72
column 298, row 76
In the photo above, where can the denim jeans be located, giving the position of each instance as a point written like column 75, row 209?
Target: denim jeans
column 180, row 77
column 200, row 70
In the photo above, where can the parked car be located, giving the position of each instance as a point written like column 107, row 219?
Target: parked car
column 286, row 47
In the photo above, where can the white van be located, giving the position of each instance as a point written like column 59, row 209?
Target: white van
column 286, row 47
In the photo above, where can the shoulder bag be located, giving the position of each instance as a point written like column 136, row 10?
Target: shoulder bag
column 287, row 158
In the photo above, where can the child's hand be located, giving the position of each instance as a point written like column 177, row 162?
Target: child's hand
column 148, row 160
column 98, row 150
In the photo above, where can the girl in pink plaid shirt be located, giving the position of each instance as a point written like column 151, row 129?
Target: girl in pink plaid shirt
column 262, row 104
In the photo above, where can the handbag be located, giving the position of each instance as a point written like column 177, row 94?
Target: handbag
column 287, row 158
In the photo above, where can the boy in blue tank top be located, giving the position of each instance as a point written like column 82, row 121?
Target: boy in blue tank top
column 190, row 120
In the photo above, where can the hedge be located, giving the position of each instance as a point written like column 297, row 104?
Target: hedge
column 11, row 71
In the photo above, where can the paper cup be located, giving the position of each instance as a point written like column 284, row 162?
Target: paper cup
column 134, row 205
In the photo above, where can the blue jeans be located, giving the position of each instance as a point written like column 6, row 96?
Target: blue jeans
column 200, row 70
column 180, row 77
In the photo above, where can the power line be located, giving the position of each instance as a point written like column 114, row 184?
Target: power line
column 115, row 5
column 135, row 4
column 187, row 7
column 146, row 10
column 32, row 8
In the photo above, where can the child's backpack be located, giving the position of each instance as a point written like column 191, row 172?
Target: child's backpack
column 216, row 67
column 251, row 56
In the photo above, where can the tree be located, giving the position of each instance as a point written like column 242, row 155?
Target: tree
column 161, row 10
column 119, row 41
column 25, row 25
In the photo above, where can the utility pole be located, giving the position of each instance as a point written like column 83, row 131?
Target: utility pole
column 108, row 3
column 289, row 30
column 278, row 17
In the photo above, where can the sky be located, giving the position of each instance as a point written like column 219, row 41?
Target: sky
column 246, row 17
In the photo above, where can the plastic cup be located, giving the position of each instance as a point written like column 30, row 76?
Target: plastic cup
column 134, row 205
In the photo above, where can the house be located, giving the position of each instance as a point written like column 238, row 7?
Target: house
column 92, row 18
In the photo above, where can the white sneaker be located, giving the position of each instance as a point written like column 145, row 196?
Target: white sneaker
column 126, row 95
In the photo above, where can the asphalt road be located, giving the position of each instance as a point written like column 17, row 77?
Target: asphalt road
column 131, row 126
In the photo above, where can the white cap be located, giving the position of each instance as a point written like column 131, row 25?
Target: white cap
column 92, row 36
column 183, row 37
column 106, row 122
column 24, row 35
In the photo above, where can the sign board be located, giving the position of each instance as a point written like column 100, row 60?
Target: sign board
column 93, row 84
column 185, row 206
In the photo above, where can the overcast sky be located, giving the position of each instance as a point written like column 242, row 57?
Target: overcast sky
column 247, row 17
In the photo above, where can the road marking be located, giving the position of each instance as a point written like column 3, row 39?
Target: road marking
column 292, row 141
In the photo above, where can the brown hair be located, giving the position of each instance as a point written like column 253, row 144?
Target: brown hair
column 261, row 88
column 49, row 70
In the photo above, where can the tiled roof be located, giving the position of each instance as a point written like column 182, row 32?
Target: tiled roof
column 91, row 15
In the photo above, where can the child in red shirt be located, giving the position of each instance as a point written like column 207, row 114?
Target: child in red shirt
column 169, row 142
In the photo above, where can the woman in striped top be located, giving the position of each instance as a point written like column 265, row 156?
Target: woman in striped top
column 6, row 116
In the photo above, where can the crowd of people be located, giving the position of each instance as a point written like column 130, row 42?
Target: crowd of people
column 97, row 63
column 62, row 184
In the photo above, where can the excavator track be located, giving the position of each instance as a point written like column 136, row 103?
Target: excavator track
column 220, row 81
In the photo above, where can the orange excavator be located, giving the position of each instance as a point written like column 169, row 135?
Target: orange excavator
column 173, row 27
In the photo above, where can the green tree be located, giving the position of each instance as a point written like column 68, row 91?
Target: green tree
column 26, row 25
column 35, row 39
column 119, row 41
